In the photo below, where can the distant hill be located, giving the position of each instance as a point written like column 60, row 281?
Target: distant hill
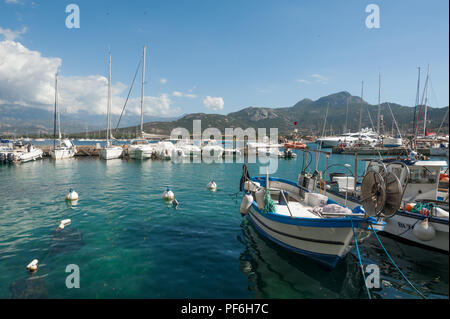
column 309, row 114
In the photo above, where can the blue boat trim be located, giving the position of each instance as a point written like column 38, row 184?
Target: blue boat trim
column 328, row 242
column 327, row 260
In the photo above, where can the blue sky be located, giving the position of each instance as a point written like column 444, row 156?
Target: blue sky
column 249, row 53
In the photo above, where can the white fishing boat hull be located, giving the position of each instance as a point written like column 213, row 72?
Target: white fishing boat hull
column 111, row 153
column 309, row 241
column 326, row 240
column 402, row 224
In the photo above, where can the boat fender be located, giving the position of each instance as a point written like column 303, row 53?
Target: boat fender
column 168, row 195
column 424, row 231
column 72, row 195
column 246, row 204
column 33, row 266
column 64, row 223
column 260, row 198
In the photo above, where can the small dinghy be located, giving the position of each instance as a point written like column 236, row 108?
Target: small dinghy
column 305, row 222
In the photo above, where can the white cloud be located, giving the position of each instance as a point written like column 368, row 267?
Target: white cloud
column 12, row 1
column 214, row 103
column 163, row 81
column 319, row 78
column 11, row 35
column 27, row 79
column 314, row 78
column 181, row 94
column 304, row 81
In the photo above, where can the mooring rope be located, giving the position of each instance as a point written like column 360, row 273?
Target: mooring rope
column 392, row 261
column 360, row 261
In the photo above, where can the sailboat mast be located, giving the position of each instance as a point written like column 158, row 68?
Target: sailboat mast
column 426, row 103
column 360, row 112
column 417, row 104
column 56, row 110
column 142, row 90
column 346, row 117
column 379, row 104
column 108, row 109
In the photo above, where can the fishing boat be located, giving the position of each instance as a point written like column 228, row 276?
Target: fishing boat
column 109, row 151
column 301, row 220
column 423, row 215
column 62, row 148
column 295, row 145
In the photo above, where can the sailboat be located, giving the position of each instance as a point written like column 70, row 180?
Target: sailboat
column 109, row 151
column 140, row 148
column 64, row 148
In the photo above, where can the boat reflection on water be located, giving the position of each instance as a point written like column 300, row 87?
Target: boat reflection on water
column 274, row 272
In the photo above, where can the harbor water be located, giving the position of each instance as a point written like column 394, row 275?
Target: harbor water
column 128, row 243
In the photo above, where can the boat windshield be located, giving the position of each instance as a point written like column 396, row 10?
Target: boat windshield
column 424, row 175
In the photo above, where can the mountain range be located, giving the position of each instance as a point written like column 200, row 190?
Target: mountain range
column 309, row 115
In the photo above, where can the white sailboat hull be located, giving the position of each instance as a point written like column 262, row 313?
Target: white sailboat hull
column 58, row 154
column 111, row 153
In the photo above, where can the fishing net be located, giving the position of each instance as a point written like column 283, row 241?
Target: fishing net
column 423, row 208
column 269, row 204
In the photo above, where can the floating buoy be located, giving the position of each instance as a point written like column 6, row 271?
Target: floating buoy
column 409, row 207
column 72, row 195
column 64, row 223
column 33, row 266
column 246, row 204
column 168, row 195
column 424, row 231
column 212, row 186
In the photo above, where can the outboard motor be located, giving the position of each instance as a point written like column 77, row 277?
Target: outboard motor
column 11, row 157
column 2, row 157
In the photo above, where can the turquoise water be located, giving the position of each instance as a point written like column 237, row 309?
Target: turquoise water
column 129, row 244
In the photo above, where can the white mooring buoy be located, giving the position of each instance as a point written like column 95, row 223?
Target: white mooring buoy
column 33, row 266
column 64, row 223
column 212, row 186
column 168, row 195
column 72, row 195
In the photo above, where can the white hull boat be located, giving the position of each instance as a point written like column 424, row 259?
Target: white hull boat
column 392, row 142
column 421, row 188
column 112, row 152
column 32, row 155
column 306, row 223
column 62, row 153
